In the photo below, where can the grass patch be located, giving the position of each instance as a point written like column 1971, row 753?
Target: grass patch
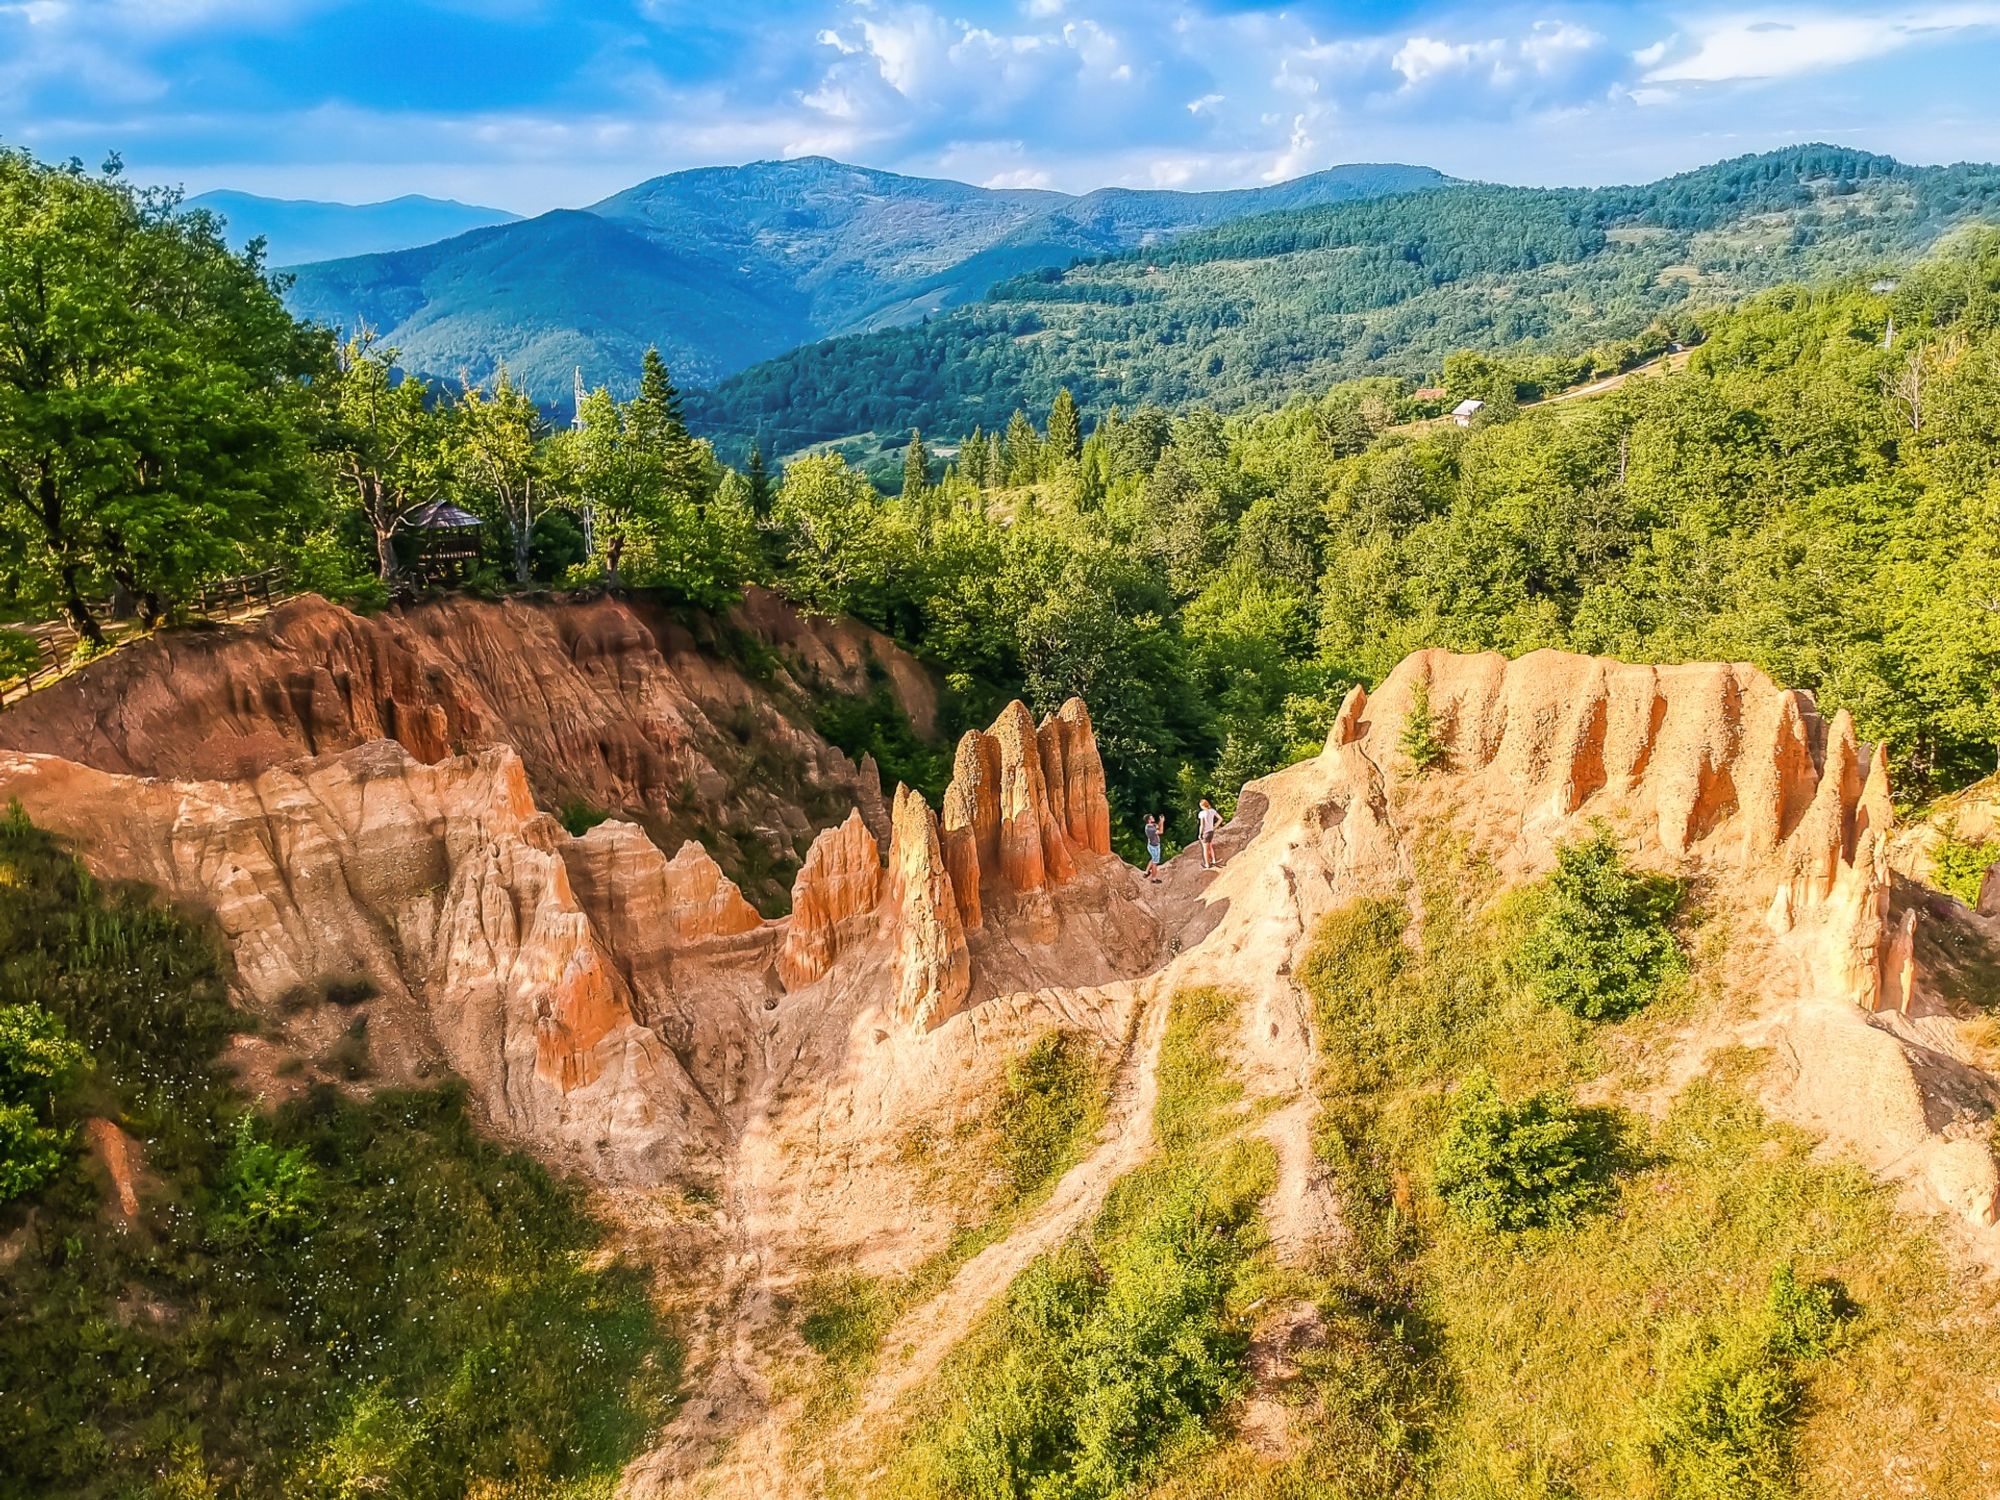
column 352, row 1297
column 1047, row 1108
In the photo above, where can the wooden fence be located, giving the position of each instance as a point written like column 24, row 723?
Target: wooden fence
column 56, row 640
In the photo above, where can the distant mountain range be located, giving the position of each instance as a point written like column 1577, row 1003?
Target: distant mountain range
column 299, row 229
column 1248, row 312
column 725, row 266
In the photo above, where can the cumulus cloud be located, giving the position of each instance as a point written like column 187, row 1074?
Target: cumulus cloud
column 1787, row 43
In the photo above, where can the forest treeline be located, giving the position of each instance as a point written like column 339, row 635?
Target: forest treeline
column 1814, row 492
column 1247, row 313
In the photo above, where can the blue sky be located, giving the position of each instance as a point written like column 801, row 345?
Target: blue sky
column 531, row 104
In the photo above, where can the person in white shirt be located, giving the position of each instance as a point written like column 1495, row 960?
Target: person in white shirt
column 1207, row 821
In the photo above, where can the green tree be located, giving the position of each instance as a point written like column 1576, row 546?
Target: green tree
column 830, row 519
column 1065, row 429
column 497, row 449
column 1023, row 450
column 1529, row 1165
column 972, row 458
column 383, row 443
column 1423, row 740
column 760, row 482
column 617, row 477
column 659, row 422
column 916, row 468
column 1601, row 946
column 153, row 394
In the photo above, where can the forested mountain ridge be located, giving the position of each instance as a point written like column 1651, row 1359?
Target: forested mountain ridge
column 1249, row 312
column 722, row 266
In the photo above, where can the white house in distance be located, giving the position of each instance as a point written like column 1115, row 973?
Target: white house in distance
column 1466, row 410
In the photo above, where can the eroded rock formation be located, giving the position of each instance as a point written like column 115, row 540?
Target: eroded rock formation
column 1024, row 805
column 933, row 968
column 835, row 891
column 609, row 702
column 1713, row 759
column 444, row 884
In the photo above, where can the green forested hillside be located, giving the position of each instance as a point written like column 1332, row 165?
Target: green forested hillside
column 722, row 266
column 1254, row 311
column 1810, row 494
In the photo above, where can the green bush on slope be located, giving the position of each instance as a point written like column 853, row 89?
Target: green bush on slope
column 1121, row 1346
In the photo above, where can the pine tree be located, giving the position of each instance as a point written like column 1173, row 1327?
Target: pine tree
column 972, row 458
column 660, row 425
column 1065, row 428
column 760, row 481
column 916, row 467
column 996, row 461
column 1024, row 450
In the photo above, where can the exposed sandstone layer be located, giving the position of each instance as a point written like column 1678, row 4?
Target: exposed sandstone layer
column 836, row 889
column 611, row 702
column 933, row 966
column 443, row 883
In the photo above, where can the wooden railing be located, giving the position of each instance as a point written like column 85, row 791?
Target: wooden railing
column 57, row 640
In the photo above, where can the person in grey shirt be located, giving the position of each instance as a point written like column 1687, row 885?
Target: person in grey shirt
column 1207, row 821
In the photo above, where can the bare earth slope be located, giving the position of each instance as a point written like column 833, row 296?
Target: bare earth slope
column 631, row 1015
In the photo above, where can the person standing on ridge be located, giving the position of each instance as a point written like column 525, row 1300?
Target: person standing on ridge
column 1156, row 829
column 1206, row 823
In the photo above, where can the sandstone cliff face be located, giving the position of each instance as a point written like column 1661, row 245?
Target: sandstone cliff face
column 608, row 701
column 1710, row 759
column 1706, row 770
column 443, row 883
column 836, row 890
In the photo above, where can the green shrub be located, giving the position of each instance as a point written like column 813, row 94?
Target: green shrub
column 30, row 1152
column 1112, row 1357
column 1423, row 738
column 266, row 1194
column 874, row 723
column 1805, row 1319
column 20, row 654
column 38, row 1058
column 1959, row 865
column 579, row 817
column 1726, row 1432
column 1724, row 1435
column 1531, row 1165
column 1601, row 946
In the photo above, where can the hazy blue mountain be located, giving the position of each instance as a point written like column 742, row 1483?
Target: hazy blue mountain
column 726, row 266
column 299, row 229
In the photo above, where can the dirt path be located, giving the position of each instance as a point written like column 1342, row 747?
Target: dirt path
column 915, row 1348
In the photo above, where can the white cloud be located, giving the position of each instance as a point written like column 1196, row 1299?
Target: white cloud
column 1787, row 43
